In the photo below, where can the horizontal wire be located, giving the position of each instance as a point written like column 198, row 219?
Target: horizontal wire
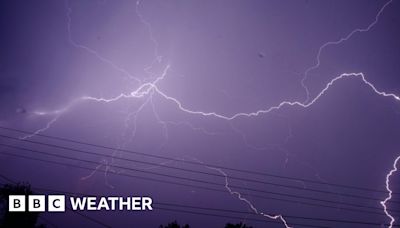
column 194, row 171
column 200, row 187
column 226, row 210
column 196, row 163
column 187, row 178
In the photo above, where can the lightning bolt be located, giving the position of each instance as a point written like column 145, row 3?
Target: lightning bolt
column 142, row 90
column 337, row 42
column 248, row 202
column 384, row 202
column 149, row 89
column 239, row 195
column 158, row 57
column 92, row 51
column 55, row 115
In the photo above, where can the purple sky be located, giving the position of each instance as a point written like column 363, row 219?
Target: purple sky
column 185, row 69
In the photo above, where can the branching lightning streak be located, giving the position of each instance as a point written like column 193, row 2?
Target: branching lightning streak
column 241, row 198
column 138, row 93
column 142, row 90
column 56, row 114
column 92, row 51
column 151, row 88
column 337, row 42
column 158, row 57
column 383, row 203
column 251, row 206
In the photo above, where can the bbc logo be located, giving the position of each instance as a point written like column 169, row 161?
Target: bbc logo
column 36, row 203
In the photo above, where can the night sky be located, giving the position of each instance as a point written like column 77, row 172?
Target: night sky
column 221, row 111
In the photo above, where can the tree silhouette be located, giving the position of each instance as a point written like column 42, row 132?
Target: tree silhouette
column 16, row 219
column 238, row 225
column 174, row 224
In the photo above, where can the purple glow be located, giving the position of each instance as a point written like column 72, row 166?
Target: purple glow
column 304, row 89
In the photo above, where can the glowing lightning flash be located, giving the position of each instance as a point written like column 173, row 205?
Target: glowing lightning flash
column 264, row 111
column 337, row 42
column 149, row 89
column 383, row 203
column 146, row 88
column 241, row 198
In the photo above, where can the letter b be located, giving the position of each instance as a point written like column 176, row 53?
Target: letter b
column 16, row 203
column 36, row 203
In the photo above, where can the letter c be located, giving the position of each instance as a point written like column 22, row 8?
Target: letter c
column 54, row 203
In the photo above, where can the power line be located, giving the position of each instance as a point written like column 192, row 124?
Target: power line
column 205, row 188
column 195, row 163
column 192, row 171
column 229, row 211
column 185, row 178
column 191, row 212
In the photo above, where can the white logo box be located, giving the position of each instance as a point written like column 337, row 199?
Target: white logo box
column 36, row 203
